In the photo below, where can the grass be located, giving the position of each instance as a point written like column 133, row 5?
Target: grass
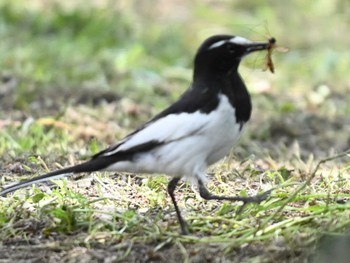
column 105, row 211
column 76, row 78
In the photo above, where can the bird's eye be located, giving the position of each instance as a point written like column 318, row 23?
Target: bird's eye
column 230, row 48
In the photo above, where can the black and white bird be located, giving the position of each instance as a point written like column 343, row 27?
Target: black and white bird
column 193, row 133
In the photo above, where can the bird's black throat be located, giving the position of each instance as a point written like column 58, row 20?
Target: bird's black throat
column 238, row 96
column 229, row 84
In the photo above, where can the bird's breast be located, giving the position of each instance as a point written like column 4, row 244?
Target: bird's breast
column 225, row 130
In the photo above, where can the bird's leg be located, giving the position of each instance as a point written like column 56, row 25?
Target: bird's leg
column 171, row 188
column 205, row 194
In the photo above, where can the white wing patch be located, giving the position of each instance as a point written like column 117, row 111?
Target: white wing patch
column 166, row 129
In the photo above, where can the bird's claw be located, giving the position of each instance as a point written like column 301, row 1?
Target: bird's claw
column 254, row 199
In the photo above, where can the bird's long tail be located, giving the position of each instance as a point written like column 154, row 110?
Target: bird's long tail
column 95, row 164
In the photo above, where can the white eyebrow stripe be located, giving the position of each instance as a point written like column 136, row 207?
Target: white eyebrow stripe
column 218, row 44
column 240, row 40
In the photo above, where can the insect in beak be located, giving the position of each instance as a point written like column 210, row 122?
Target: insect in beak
column 268, row 59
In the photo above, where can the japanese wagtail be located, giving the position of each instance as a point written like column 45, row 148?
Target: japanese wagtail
column 198, row 130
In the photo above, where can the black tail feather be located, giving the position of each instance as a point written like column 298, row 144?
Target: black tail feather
column 92, row 165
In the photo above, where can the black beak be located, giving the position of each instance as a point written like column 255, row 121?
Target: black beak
column 257, row 46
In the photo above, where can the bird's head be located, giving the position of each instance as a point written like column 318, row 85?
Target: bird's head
column 223, row 53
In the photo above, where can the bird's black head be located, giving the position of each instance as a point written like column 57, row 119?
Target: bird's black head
column 223, row 53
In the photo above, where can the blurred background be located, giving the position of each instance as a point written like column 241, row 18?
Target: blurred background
column 97, row 69
column 76, row 76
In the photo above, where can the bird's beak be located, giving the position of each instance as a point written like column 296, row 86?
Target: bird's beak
column 256, row 46
column 248, row 46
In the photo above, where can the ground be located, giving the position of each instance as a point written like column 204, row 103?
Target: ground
column 78, row 77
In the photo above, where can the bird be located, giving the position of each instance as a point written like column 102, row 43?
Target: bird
column 196, row 131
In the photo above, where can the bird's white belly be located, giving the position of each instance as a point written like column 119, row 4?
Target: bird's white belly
column 191, row 154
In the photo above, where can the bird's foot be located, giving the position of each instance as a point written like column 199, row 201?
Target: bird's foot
column 253, row 199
